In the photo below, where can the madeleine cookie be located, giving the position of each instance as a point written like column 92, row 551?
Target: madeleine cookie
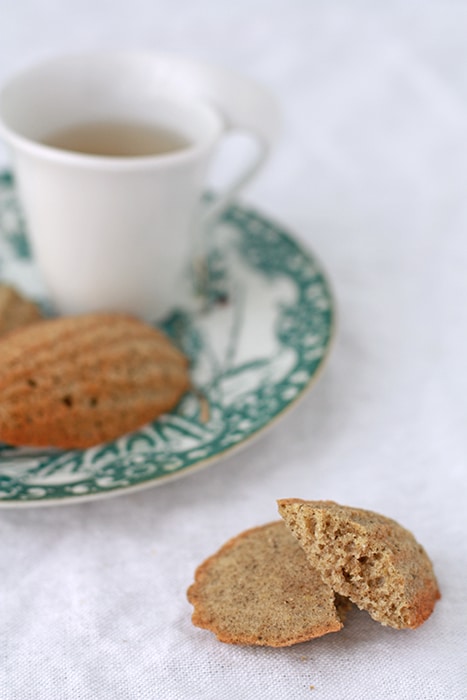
column 366, row 557
column 16, row 310
column 74, row 382
column 260, row 589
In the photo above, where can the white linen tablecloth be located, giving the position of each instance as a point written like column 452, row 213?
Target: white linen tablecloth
column 371, row 172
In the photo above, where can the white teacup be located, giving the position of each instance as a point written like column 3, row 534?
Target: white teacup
column 116, row 232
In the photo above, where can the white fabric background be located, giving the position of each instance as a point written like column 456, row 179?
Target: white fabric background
column 372, row 173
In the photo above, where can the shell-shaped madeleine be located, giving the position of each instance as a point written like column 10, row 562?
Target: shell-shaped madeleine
column 78, row 381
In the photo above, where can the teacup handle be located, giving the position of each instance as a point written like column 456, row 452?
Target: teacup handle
column 245, row 107
column 213, row 209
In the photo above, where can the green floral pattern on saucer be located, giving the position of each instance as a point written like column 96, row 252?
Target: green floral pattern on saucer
column 255, row 346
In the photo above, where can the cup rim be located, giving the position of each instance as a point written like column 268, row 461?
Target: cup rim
column 96, row 162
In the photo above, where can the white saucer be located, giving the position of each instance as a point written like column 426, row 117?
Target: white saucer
column 255, row 349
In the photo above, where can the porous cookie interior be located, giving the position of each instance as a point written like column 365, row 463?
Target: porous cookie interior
column 260, row 589
column 366, row 557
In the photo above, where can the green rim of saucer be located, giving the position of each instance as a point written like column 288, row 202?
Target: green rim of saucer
column 255, row 348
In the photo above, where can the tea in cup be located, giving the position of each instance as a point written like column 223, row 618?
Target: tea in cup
column 111, row 153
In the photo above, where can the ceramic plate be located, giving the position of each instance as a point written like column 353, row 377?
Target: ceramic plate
column 255, row 347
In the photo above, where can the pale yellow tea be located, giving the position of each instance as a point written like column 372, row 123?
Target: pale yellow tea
column 117, row 139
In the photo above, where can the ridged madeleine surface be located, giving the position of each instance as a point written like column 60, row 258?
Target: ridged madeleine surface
column 74, row 382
